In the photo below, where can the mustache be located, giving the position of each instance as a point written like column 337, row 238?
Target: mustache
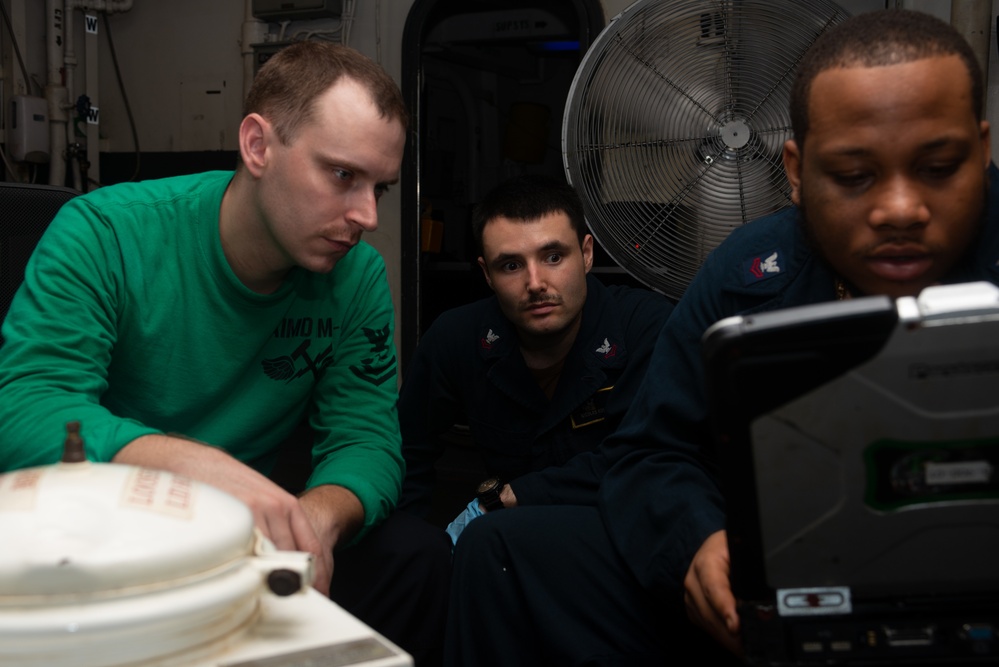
column 542, row 299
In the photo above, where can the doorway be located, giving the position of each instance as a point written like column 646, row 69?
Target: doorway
column 486, row 82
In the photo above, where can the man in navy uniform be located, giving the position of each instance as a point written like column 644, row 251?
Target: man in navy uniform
column 889, row 170
column 542, row 371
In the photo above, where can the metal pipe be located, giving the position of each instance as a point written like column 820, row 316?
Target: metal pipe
column 70, row 63
column 55, row 92
column 69, row 67
column 106, row 6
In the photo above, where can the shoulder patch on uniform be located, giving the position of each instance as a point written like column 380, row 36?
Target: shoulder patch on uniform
column 488, row 340
column 379, row 365
column 607, row 349
column 762, row 267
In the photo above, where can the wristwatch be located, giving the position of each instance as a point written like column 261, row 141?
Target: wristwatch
column 488, row 494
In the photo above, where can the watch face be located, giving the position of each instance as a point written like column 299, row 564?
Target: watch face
column 487, row 486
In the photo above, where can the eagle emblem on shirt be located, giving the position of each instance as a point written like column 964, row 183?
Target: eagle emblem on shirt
column 607, row 349
column 379, row 364
column 489, row 339
column 760, row 268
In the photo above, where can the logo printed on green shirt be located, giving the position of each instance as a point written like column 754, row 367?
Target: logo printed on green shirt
column 380, row 366
column 286, row 368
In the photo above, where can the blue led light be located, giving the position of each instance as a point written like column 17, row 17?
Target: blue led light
column 567, row 45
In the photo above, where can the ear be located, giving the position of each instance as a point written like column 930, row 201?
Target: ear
column 587, row 252
column 254, row 134
column 485, row 272
column 792, row 169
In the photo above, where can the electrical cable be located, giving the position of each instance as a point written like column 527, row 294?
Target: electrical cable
column 17, row 51
column 27, row 82
column 124, row 97
column 6, row 162
column 24, row 74
column 339, row 34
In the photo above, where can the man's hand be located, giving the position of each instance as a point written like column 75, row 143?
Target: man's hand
column 508, row 497
column 276, row 513
column 708, row 594
column 335, row 514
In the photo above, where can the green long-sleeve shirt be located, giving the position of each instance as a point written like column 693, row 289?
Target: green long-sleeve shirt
column 131, row 321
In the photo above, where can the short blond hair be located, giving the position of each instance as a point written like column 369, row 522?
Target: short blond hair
column 286, row 87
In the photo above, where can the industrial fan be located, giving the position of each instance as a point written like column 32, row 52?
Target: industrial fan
column 675, row 123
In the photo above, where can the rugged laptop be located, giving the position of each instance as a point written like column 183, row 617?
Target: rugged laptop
column 859, row 449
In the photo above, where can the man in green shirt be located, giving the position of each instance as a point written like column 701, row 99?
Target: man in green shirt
column 191, row 323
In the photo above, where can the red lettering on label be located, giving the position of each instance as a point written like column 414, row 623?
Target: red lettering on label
column 144, row 488
column 25, row 480
column 179, row 493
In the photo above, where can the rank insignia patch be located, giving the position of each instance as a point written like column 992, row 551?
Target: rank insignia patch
column 760, row 267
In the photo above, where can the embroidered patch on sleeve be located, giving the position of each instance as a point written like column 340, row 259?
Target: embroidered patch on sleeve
column 379, row 366
column 762, row 267
column 488, row 340
column 608, row 349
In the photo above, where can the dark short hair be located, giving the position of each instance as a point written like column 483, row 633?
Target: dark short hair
column 876, row 39
column 527, row 198
column 286, row 87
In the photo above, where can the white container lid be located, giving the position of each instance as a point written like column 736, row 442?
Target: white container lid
column 79, row 530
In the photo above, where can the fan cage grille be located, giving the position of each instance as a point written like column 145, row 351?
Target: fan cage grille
column 675, row 124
